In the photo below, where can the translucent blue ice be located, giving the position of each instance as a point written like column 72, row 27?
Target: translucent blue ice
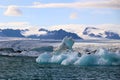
column 64, row 55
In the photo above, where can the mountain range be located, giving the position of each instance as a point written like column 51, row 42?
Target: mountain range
column 56, row 34
column 91, row 32
column 100, row 33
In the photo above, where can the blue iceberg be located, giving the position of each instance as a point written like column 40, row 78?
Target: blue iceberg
column 65, row 55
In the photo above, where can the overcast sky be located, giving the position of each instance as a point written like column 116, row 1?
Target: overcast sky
column 59, row 12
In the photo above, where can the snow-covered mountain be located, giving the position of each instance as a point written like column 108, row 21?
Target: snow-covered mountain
column 100, row 33
column 11, row 33
column 103, row 31
column 56, row 34
column 80, row 32
column 43, row 34
column 1, row 33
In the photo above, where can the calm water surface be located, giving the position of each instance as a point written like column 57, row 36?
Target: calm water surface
column 25, row 68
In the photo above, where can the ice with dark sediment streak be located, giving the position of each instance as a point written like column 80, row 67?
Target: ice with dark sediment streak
column 65, row 55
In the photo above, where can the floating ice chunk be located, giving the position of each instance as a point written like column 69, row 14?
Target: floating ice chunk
column 44, row 58
column 71, row 58
column 64, row 55
column 87, row 59
column 66, row 44
column 108, row 58
column 58, row 58
column 43, row 49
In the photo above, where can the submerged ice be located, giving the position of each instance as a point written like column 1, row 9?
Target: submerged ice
column 65, row 55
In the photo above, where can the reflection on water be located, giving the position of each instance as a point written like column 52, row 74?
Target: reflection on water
column 13, row 68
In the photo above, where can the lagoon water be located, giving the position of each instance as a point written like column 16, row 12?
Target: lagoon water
column 25, row 68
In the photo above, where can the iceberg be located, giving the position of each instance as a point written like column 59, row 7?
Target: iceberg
column 66, row 45
column 65, row 55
